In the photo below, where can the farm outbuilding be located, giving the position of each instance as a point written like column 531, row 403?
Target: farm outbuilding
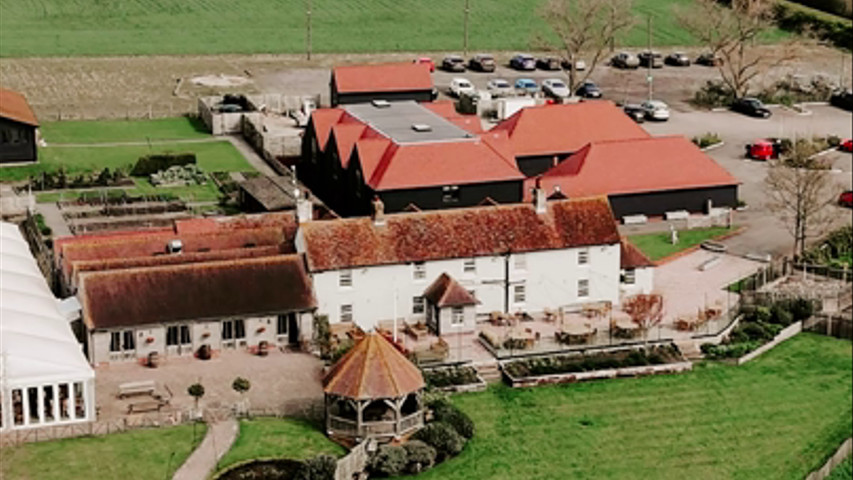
column 18, row 126
column 390, row 81
column 45, row 379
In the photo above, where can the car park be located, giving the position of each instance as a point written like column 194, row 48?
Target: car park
column 655, row 110
column 846, row 145
column 709, row 59
column 846, row 199
column 580, row 65
column 526, row 85
column 548, row 63
column 636, row 112
column 482, row 62
column 751, row 106
column 453, row 63
column 677, row 59
column 523, row 61
column 499, row 87
column 461, row 86
column 425, row 61
column 842, row 99
column 625, row 60
column 555, row 88
column 588, row 89
column 650, row 59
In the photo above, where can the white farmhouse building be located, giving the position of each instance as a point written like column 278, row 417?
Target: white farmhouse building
column 510, row 258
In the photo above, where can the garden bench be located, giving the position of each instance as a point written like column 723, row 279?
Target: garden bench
column 145, row 406
column 136, row 388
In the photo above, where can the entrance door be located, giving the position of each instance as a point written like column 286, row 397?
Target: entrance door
column 292, row 329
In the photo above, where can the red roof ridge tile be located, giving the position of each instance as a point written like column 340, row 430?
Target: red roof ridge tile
column 14, row 106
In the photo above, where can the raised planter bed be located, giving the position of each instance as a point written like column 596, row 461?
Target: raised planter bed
column 457, row 379
column 713, row 246
column 785, row 334
column 522, row 382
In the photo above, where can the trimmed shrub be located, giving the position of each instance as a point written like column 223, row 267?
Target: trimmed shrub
column 801, row 309
column 448, row 413
column 321, row 467
column 780, row 315
column 389, row 461
column 148, row 164
column 420, row 455
column 443, row 437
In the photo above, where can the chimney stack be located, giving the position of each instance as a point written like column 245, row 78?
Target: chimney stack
column 539, row 199
column 304, row 207
column 378, row 211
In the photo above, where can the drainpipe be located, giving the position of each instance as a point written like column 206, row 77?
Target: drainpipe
column 506, row 282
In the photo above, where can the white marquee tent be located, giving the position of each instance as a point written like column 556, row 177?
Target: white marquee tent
column 45, row 379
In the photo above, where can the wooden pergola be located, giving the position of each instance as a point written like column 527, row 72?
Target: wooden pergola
column 374, row 391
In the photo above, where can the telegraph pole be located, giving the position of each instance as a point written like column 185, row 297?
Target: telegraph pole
column 465, row 39
column 650, row 60
column 308, row 29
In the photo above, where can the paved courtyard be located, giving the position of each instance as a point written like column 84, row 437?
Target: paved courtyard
column 277, row 379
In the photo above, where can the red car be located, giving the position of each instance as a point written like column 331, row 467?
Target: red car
column 846, row 199
column 761, row 150
column 846, row 145
column 426, row 61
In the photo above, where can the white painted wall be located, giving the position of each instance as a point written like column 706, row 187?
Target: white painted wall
column 550, row 278
column 643, row 282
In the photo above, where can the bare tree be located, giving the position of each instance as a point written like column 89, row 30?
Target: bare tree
column 645, row 310
column 731, row 32
column 583, row 26
column 800, row 192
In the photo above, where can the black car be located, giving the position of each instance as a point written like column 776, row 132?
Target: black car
column 636, row 112
column 677, row 59
column 588, row 90
column 482, row 62
column 453, row 63
column 651, row 59
column 842, row 99
column 709, row 60
column 548, row 63
column 751, row 106
column 523, row 61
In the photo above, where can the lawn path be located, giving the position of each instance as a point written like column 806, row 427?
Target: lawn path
column 218, row 440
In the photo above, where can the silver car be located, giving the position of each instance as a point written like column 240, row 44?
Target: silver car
column 499, row 87
column 625, row 60
column 556, row 88
column 655, row 110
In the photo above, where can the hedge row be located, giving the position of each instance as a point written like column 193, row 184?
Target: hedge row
column 796, row 18
column 148, row 164
column 654, row 355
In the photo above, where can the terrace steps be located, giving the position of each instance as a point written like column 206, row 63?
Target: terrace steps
column 490, row 372
column 690, row 349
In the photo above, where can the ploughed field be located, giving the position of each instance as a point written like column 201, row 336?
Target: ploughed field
column 778, row 417
column 149, row 27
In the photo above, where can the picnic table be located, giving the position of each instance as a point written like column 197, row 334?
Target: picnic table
column 129, row 389
column 575, row 334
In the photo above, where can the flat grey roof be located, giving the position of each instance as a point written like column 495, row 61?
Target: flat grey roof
column 395, row 121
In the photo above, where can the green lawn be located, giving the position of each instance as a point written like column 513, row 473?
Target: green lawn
column 278, row 438
column 657, row 245
column 211, row 157
column 843, row 471
column 108, row 131
column 146, row 27
column 135, row 455
column 778, row 417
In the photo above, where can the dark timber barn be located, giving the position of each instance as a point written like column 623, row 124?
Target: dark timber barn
column 389, row 81
column 18, row 126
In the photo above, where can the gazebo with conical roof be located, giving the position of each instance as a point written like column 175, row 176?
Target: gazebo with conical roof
column 373, row 391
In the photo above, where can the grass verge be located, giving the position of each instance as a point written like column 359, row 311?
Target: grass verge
column 657, row 245
column 133, row 455
column 109, row 131
column 777, row 417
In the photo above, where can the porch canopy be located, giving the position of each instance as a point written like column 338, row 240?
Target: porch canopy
column 373, row 391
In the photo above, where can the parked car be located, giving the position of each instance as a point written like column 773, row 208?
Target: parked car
column 764, row 149
column 842, row 99
column 655, row 110
column 846, row 199
column 523, row 61
column 709, row 59
column 653, row 59
column 426, row 61
column 636, row 112
column 482, row 62
column 556, row 88
column 751, row 106
column 588, row 89
column 580, row 65
column 846, row 145
column 526, row 85
column 461, row 86
column 548, row 63
column 677, row 59
column 625, row 60
column 499, row 87
column 453, row 63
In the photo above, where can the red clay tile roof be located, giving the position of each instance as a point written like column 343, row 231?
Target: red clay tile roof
column 635, row 166
column 446, row 292
column 560, row 129
column 458, row 233
column 388, row 77
column 632, row 257
column 345, row 135
column 14, row 106
column 142, row 296
column 373, row 369
column 322, row 120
